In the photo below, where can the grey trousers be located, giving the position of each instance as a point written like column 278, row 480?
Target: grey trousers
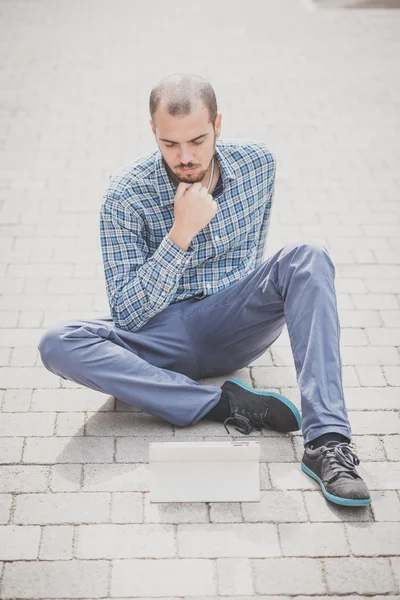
column 155, row 368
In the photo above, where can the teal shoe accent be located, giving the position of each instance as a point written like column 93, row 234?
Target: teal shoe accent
column 331, row 497
column 278, row 396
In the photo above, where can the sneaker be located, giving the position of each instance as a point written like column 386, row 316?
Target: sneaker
column 253, row 409
column 333, row 467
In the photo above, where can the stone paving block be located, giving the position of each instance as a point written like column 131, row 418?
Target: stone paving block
column 383, row 286
column 116, row 478
column 395, row 561
column 127, row 424
column 19, row 543
column 26, row 424
column 5, row 356
column 9, row 318
column 136, row 449
column 381, row 475
column 225, row 512
column 321, row 510
column 125, row 541
column 23, row 478
column 56, row 579
column 384, row 336
column 369, row 355
column 349, row 376
column 392, row 375
column 392, row 446
column 313, row 539
column 164, row 576
column 353, row 337
column 276, row 449
column 30, row 318
column 18, row 337
column 266, row 377
column 127, row 507
column 288, row 576
column 371, row 376
column 385, row 505
column 23, row 357
column 69, row 450
column 359, row 575
column 352, row 286
column 66, row 400
column 265, row 479
column 70, row 424
column 360, row 318
column 374, row 422
column 5, row 508
column 376, row 272
column 228, row 541
column 62, row 508
column 282, row 357
column 375, row 301
column 289, row 476
column 265, row 360
column 234, row 576
column 57, row 542
column 26, row 377
column 275, row 507
column 11, row 450
column 66, row 478
column 174, row 512
column 17, row 400
column 390, row 318
column 371, row 398
column 374, row 539
column 39, row 271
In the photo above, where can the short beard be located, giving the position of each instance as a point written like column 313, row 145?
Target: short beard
column 177, row 180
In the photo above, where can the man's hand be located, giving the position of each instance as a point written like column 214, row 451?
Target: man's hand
column 193, row 210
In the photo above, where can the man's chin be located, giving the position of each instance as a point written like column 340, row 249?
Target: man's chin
column 189, row 178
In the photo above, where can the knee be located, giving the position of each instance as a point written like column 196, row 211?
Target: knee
column 49, row 345
column 313, row 253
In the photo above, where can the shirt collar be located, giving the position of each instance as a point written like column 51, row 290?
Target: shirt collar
column 167, row 188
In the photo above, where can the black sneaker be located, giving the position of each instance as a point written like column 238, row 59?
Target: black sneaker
column 333, row 467
column 253, row 409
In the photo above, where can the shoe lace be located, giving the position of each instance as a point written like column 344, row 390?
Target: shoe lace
column 246, row 423
column 341, row 458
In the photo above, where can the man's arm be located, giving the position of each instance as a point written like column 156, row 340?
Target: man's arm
column 270, row 189
column 139, row 285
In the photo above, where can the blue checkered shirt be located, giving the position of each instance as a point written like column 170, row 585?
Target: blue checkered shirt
column 144, row 270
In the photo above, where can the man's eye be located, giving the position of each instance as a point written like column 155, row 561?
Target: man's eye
column 198, row 143
column 169, row 145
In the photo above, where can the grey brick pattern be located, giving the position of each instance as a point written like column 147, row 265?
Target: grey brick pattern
column 320, row 87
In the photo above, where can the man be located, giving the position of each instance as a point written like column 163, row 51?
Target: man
column 183, row 232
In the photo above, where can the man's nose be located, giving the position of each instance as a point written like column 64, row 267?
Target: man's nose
column 185, row 155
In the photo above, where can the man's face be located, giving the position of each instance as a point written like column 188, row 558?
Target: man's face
column 186, row 143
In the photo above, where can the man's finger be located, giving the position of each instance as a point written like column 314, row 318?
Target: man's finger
column 182, row 187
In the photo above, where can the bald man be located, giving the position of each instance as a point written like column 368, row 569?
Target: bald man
column 191, row 296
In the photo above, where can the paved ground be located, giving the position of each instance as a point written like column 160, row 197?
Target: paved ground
column 322, row 88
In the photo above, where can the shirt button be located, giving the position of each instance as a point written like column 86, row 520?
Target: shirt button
column 209, row 286
column 217, row 237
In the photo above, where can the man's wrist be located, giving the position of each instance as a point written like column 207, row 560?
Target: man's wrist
column 180, row 238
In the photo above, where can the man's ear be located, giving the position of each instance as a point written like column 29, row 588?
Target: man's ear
column 152, row 126
column 218, row 122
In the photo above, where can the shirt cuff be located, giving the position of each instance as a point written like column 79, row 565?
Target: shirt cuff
column 171, row 256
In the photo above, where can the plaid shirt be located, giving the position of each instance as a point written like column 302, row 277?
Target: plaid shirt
column 145, row 271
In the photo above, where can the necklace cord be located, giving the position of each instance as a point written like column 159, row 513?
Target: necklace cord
column 211, row 177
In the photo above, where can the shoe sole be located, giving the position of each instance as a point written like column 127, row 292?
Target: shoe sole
column 284, row 400
column 331, row 497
